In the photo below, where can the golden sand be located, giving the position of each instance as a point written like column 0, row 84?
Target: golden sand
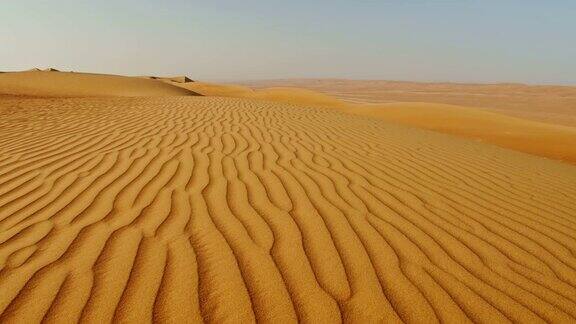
column 538, row 138
column 52, row 83
column 188, row 209
column 551, row 104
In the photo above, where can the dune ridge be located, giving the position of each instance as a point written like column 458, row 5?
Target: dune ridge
column 52, row 83
column 177, row 79
column 190, row 209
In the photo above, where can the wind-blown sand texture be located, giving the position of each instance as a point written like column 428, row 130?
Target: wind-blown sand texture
column 548, row 140
column 189, row 209
column 552, row 141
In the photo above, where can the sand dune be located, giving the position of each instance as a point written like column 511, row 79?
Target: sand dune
column 549, row 104
column 552, row 141
column 178, row 79
column 217, row 90
column 548, row 140
column 286, row 95
column 68, row 84
column 531, row 137
column 189, row 209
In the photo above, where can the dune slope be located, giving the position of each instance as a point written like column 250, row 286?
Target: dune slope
column 548, row 140
column 51, row 83
column 191, row 209
column 552, row 141
column 286, row 95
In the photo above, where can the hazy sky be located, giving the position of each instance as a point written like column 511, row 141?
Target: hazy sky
column 429, row 40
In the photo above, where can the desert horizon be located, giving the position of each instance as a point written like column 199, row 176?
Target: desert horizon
column 256, row 162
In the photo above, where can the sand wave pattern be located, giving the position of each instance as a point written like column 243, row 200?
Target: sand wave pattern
column 229, row 210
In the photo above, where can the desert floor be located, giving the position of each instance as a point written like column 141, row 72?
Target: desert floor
column 159, row 204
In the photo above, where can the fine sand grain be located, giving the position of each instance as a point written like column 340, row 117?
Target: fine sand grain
column 190, row 209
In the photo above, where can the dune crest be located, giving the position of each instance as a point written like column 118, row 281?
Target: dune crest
column 190, row 209
column 68, row 84
column 178, row 79
column 295, row 96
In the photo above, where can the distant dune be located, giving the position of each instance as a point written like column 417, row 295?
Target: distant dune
column 286, row 95
column 549, row 104
column 177, row 79
column 274, row 206
column 51, row 83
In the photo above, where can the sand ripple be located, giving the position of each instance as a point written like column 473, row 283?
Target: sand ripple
column 193, row 209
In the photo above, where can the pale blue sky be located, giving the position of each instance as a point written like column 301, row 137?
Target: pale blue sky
column 531, row 41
